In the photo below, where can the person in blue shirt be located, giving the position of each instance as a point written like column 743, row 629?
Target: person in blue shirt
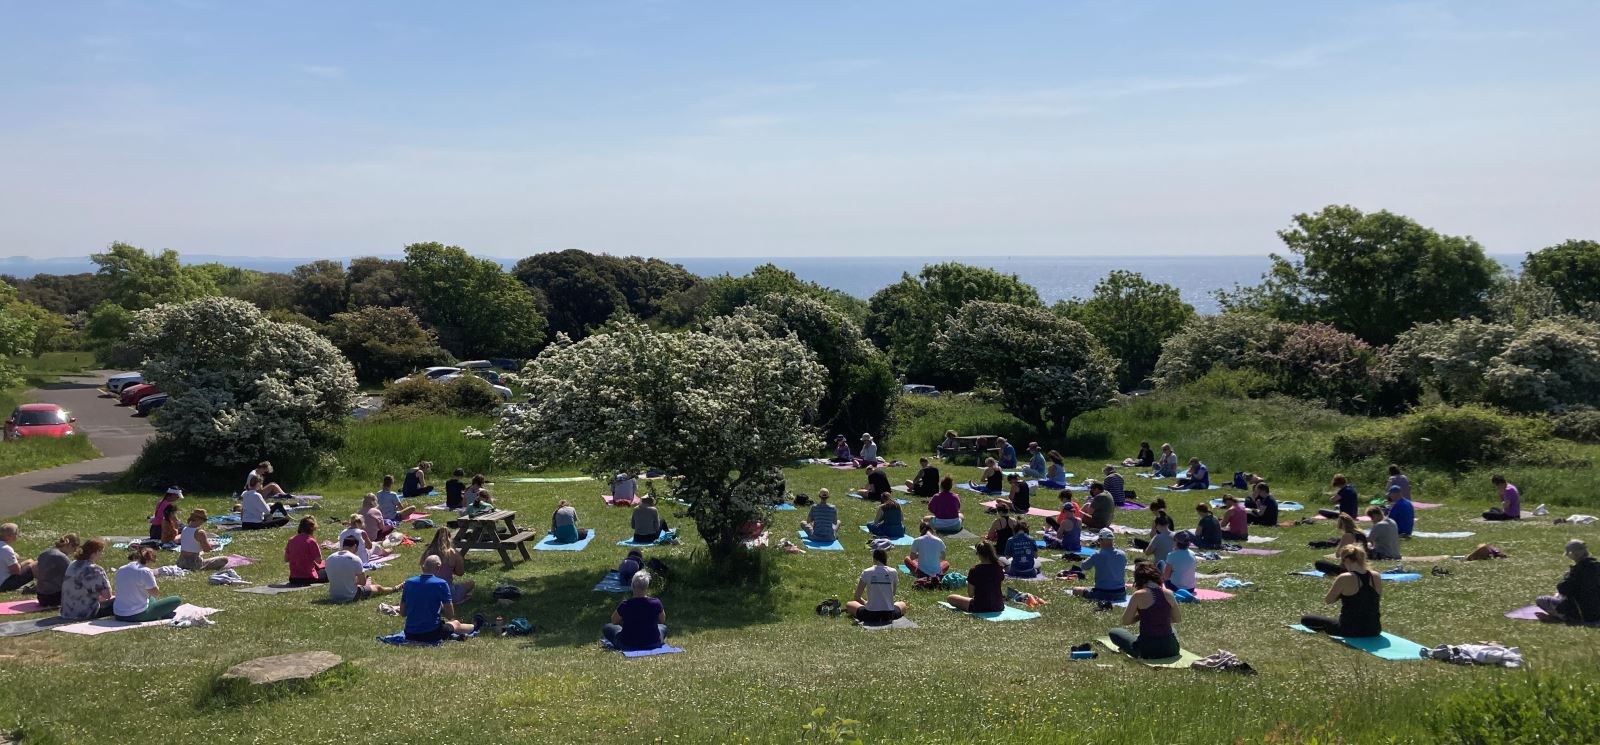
column 1008, row 453
column 1024, row 553
column 1345, row 496
column 1197, row 477
column 1401, row 511
column 1109, row 566
column 1036, row 467
column 427, row 603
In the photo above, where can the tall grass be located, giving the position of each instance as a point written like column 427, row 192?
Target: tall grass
column 917, row 423
column 372, row 449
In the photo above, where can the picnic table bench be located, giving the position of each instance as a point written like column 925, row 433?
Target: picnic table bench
column 484, row 532
column 973, row 445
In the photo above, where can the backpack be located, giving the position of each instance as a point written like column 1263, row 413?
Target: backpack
column 1238, row 480
column 507, row 592
column 518, row 626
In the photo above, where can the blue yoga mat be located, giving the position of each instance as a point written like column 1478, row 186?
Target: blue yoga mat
column 1009, row 614
column 1388, row 646
column 970, row 488
column 1213, row 487
column 1401, row 576
column 652, row 652
column 904, row 540
column 813, row 545
column 549, row 543
column 669, row 535
column 784, row 506
column 611, row 583
column 1290, row 506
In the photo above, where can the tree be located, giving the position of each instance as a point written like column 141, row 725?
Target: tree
column 1373, row 275
column 583, row 290
column 726, row 293
column 269, row 291
column 903, row 318
column 1230, row 340
column 1548, row 365
column 1571, row 269
column 375, row 281
column 861, row 387
column 384, row 343
column 17, row 333
column 135, row 279
column 1048, row 369
column 724, row 408
column 477, row 309
column 1131, row 316
column 65, row 294
column 320, row 289
column 242, row 388
column 107, row 328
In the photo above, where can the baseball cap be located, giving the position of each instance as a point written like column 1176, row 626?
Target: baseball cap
column 1107, row 534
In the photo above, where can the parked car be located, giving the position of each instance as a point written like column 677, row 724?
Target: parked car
column 117, row 382
column 39, row 420
column 133, row 394
column 431, row 373
column 151, row 403
column 489, row 376
column 920, row 390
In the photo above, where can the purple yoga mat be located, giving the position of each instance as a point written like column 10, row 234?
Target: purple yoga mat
column 1131, row 505
column 1529, row 613
column 1258, row 552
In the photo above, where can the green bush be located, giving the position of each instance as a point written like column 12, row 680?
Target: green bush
column 917, row 424
column 466, row 395
column 1582, row 425
column 1224, row 382
column 1445, row 436
column 1537, row 709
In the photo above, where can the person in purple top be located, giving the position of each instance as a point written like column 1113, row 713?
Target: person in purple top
column 1155, row 608
column 640, row 622
column 841, row 451
column 1510, row 501
column 1398, row 478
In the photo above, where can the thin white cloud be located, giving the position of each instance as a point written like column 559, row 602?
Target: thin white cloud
column 1066, row 101
column 747, row 121
column 326, row 72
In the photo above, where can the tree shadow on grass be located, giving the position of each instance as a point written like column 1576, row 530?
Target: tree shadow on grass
column 566, row 610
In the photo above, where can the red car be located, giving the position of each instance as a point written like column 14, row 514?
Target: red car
column 39, row 420
column 135, row 393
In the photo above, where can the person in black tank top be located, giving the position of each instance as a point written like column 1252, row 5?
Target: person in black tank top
column 1358, row 591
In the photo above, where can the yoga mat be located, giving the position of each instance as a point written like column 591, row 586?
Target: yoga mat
column 548, row 479
column 30, row 626
column 612, row 583
column 1388, row 646
column 412, row 515
column 1168, row 488
column 666, row 536
column 1527, row 613
column 652, row 652
column 961, row 535
column 274, row 589
column 18, row 607
column 899, row 623
column 399, row 639
column 1009, row 614
column 380, row 561
column 107, row 625
column 613, row 502
column 904, row 540
column 813, row 545
column 1257, row 552
column 235, row 560
column 1427, row 505
column 1401, row 576
column 1184, row 659
column 1131, row 505
column 549, row 543
column 1311, row 573
column 897, row 500
column 1035, row 511
column 900, row 488
column 783, row 506
column 1260, row 538
column 1448, row 534
column 439, row 508
column 972, row 488
column 1206, row 593
column 1290, row 506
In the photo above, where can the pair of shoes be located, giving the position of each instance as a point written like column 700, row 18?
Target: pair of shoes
column 1441, row 572
column 829, row 608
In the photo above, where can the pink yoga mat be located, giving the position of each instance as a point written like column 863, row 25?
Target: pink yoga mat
column 1529, row 613
column 235, row 560
column 1426, row 505
column 1035, row 511
column 17, row 607
column 1257, row 552
column 1205, row 593
column 613, row 502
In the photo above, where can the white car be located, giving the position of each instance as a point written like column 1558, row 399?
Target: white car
column 117, row 382
column 921, row 390
column 431, row 373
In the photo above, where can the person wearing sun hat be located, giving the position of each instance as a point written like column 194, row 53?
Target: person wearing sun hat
column 1008, row 453
column 869, row 450
column 1036, row 465
column 173, row 495
column 841, row 451
column 1109, row 566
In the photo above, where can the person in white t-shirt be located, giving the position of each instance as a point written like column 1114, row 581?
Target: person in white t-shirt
column 255, row 513
column 261, row 471
column 357, row 532
column 136, row 585
column 14, row 573
column 926, row 560
column 347, row 581
column 874, row 603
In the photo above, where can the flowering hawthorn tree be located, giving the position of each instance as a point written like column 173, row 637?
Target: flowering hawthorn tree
column 242, row 387
column 723, row 408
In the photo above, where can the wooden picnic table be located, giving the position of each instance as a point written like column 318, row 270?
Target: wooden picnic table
column 975, row 445
column 483, row 531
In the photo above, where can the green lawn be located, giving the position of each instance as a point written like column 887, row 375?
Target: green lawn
column 760, row 661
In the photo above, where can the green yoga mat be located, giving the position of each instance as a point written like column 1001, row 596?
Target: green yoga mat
column 1184, row 659
column 1388, row 646
column 1009, row 614
column 548, row 479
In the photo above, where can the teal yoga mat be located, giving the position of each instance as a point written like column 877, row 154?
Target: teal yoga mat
column 904, row 540
column 548, row 479
column 669, row 535
column 1388, row 646
column 814, row 546
column 1009, row 614
column 549, row 543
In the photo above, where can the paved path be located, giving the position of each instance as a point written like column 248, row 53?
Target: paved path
column 114, row 431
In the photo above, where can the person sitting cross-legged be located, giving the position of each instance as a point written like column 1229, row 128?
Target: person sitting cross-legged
column 1024, row 552
column 926, row 559
column 1577, row 598
column 427, row 604
column 874, row 603
column 347, row 581
column 1108, row 565
column 640, row 622
column 822, row 521
column 1155, row 608
column 985, row 580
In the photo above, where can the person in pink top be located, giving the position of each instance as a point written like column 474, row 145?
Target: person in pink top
column 304, row 555
column 173, row 495
column 1510, row 501
column 1235, row 519
column 946, row 508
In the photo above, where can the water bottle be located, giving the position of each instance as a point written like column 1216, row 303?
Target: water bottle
column 500, row 624
column 1082, row 654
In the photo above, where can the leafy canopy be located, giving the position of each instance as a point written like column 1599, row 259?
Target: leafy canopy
column 724, row 408
column 477, row 308
column 135, row 279
column 1571, row 269
column 384, row 343
column 904, row 318
column 1132, row 316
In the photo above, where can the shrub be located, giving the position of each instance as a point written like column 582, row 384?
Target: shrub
column 1547, row 365
column 1231, row 340
column 1582, row 425
column 417, row 396
column 1319, row 362
column 1533, row 709
column 1445, row 436
column 385, row 343
column 1224, row 382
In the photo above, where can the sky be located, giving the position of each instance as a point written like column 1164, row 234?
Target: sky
column 679, row 129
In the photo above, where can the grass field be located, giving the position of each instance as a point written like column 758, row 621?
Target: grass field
column 760, row 662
